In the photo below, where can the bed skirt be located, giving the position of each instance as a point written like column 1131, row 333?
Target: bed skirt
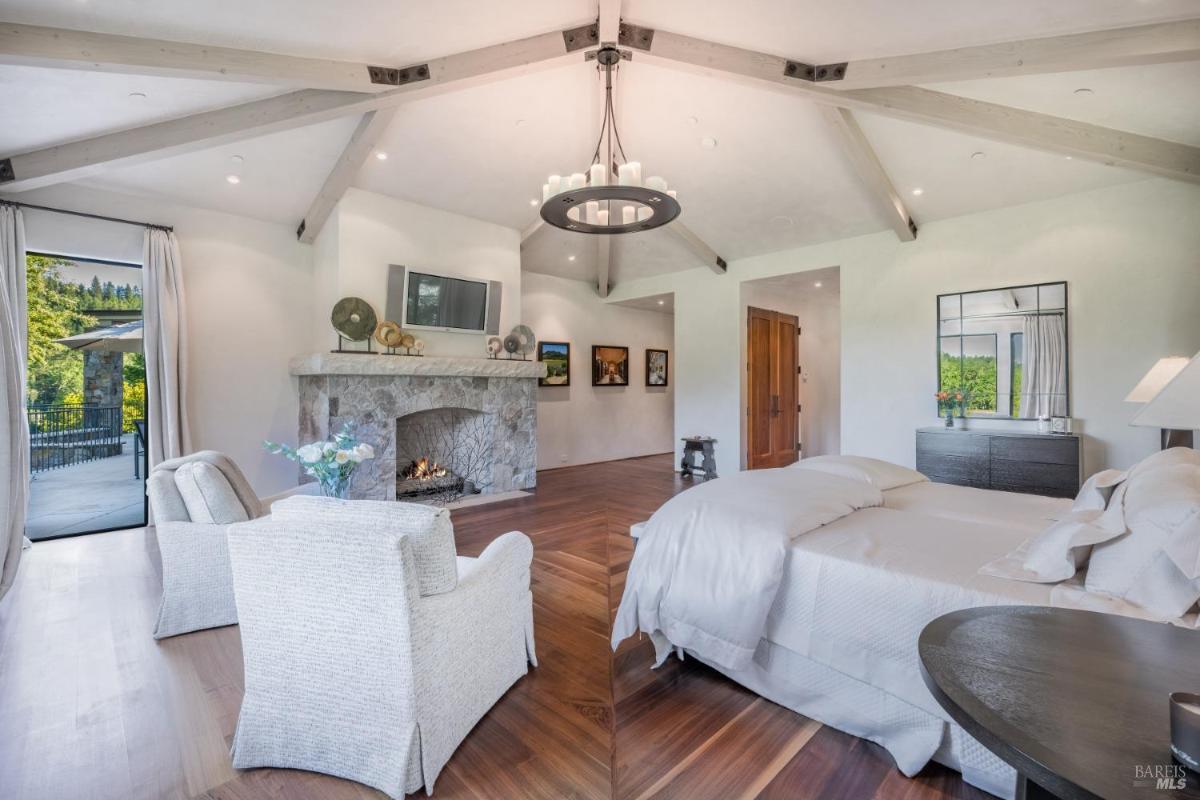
column 912, row 735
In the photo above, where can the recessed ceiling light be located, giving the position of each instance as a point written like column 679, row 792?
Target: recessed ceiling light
column 382, row 156
column 708, row 143
column 817, row 284
column 693, row 120
column 233, row 179
column 783, row 222
column 662, row 302
column 1068, row 158
column 918, row 192
column 570, row 258
column 533, row 202
column 236, row 159
column 519, row 123
column 137, row 95
column 1083, row 90
column 978, row 155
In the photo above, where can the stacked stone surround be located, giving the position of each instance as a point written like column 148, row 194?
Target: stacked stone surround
column 374, row 391
column 103, row 378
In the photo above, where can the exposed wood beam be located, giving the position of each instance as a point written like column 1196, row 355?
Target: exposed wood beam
column 370, row 128
column 698, row 246
column 871, row 171
column 75, row 160
column 610, row 20
column 988, row 120
column 39, row 46
column 532, row 229
column 603, row 262
column 1157, row 43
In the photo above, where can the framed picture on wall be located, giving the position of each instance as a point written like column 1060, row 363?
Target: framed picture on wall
column 557, row 358
column 656, row 368
column 610, row 365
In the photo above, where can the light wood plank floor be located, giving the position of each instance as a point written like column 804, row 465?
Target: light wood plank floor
column 91, row 707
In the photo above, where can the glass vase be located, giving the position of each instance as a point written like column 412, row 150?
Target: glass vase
column 336, row 487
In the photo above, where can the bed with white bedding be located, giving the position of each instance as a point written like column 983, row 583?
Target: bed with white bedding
column 856, row 583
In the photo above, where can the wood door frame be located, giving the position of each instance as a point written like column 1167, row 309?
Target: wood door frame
column 784, row 455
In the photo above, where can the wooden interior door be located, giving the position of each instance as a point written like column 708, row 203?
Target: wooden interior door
column 771, row 364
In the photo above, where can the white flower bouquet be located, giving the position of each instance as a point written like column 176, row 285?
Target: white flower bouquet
column 331, row 463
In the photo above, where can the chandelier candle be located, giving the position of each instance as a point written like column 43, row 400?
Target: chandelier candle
column 611, row 197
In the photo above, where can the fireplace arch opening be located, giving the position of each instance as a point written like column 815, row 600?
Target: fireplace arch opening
column 443, row 454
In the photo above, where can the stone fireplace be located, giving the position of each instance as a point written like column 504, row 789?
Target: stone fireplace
column 475, row 417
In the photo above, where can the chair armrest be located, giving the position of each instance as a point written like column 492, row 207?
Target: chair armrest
column 505, row 561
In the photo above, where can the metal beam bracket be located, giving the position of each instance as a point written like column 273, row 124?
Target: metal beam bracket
column 6, row 171
column 635, row 36
column 582, row 37
column 300, row 230
column 590, row 55
column 721, row 263
column 391, row 76
column 815, row 73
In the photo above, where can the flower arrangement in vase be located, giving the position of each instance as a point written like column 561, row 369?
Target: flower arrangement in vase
column 946, row 403
column 331, row 463
column 962, row 399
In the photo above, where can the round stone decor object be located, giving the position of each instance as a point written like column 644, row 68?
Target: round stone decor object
column 353, row 319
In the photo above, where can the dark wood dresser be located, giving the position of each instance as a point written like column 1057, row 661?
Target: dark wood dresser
column 1034, row 463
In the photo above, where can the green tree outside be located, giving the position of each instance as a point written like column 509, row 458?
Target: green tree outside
column 975, row 375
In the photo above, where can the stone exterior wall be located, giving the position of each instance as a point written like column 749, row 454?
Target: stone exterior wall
column 376, row 402
column 103, row 378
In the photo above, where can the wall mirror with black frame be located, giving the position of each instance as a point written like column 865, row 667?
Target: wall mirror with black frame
column 1007, row 350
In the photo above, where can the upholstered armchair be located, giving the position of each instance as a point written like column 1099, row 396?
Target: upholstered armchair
column 193, row 500
column 370, row 650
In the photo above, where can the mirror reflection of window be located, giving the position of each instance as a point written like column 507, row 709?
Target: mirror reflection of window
column 1006, row 349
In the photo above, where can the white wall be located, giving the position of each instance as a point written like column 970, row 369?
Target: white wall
column 1131, row 257
column 369, row 231
column 248, row 286
column 581, row 423
column 819, row 354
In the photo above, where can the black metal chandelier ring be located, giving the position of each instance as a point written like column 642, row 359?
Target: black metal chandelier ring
column 664, row 207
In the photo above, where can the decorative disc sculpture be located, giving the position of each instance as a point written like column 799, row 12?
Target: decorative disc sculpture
column 354, row 320
column 388, row 334
column 494, row 346
column 525, row 340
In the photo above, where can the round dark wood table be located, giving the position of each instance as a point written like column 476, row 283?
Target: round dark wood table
column 1075, row 701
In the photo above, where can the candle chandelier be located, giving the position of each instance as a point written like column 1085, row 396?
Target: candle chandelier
column 611, row 197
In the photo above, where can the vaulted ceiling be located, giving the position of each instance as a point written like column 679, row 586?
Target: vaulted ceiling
column 777, row 176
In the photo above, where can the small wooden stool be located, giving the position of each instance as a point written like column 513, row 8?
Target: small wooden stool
column 704, row 446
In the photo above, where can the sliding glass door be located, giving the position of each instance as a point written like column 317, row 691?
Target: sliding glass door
column 86, row 396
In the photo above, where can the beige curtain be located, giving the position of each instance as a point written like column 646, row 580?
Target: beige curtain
column 1044, row 367
column 14, row 426
column 166, row 347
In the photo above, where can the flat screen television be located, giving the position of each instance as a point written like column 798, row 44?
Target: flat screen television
column 445, row 303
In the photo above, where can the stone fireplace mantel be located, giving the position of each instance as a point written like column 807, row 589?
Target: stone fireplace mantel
column 475, row 416
column 378, row 364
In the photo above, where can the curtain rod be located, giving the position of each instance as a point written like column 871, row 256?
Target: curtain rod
column 17, row 204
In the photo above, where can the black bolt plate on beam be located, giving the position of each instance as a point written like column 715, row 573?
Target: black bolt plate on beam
column 581, row 37
column 635, row 36
column 6, row 171
column 721, row 263
column 391, row 76
column 815, row 73
column 300, row 230
column 592, row 55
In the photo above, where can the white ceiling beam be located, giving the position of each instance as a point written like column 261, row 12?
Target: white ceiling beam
column 698, row 246
column 610, row 20
column 34, row 45
column 987, row 120
column 603, row 263
column 1158, row 43
column 532, row 229
column 366, row 136
column 871, row 171
column 79, row 159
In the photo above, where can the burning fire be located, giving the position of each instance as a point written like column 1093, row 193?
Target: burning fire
column 424, row 469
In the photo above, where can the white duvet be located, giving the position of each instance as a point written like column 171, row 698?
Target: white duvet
column 708, row 564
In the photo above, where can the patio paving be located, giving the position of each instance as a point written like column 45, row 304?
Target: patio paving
column 96, row 495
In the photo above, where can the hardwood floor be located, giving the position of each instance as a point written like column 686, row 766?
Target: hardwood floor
column 92, row 707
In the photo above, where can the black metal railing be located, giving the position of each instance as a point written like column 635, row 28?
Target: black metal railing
column 65, row 435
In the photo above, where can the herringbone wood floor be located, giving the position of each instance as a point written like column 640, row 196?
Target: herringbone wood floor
column 92, row 707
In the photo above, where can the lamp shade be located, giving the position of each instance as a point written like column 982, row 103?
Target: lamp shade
column 1177, row 404
column 1159, row 376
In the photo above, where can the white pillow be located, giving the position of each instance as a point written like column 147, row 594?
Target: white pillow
column 207, row 494
column 1154, row 564
column 429, row 530
column 883, row 475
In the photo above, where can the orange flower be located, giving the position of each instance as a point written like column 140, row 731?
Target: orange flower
column 958, row 396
